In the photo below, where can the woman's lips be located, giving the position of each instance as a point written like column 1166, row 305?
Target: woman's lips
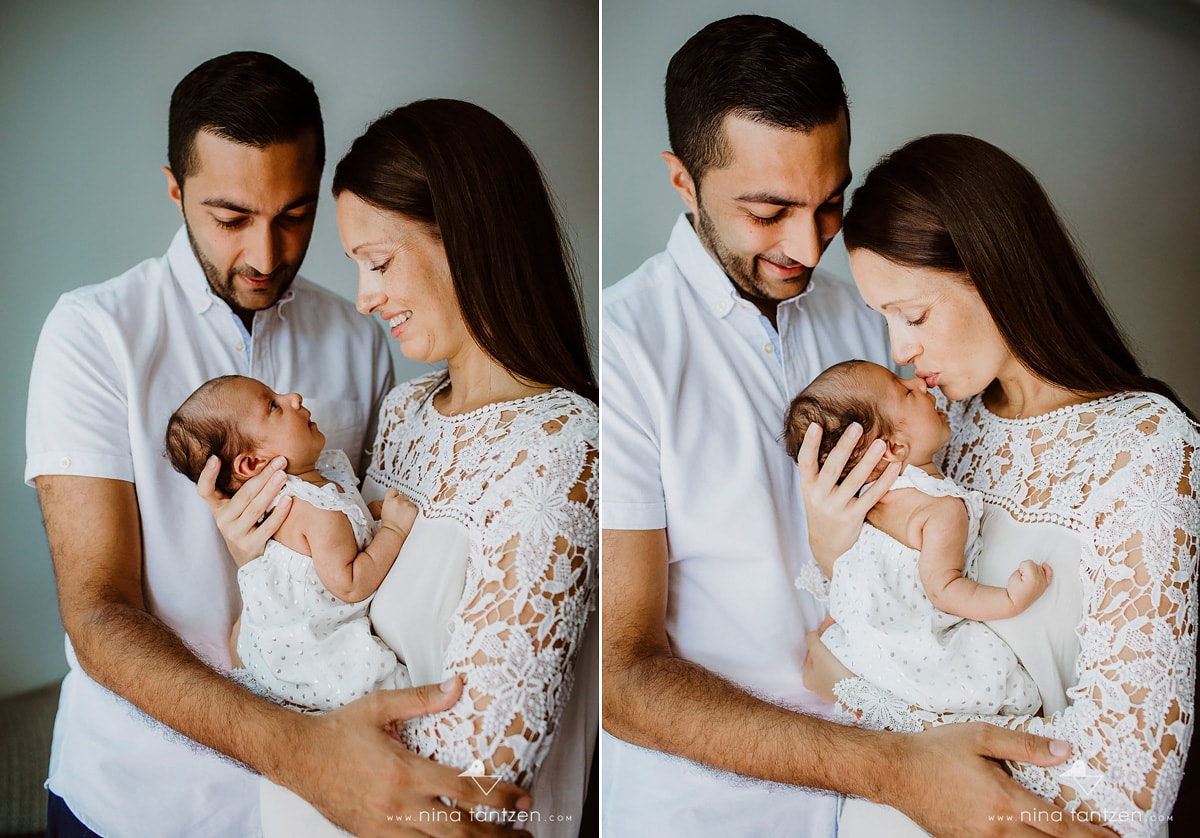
column 398, row 321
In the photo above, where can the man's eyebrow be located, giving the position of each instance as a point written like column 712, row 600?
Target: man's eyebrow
column 223, row 203
column 780, row 201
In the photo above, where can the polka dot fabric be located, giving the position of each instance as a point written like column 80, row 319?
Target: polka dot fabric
column 889, row 632
column 298, row 642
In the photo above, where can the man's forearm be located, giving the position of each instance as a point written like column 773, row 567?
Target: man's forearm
column 138, row 657
column 669, row 704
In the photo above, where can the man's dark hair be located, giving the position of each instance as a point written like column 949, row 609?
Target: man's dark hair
column 750, row 66
column 249, row 97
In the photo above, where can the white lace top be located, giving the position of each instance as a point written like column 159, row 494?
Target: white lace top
column 521, row 478
column 1109, row 487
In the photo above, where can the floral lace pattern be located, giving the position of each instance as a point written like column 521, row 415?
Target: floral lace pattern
column 521, row 477
column 1118, row 471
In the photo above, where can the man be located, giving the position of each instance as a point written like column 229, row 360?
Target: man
column 704, row 347
column 146, row 589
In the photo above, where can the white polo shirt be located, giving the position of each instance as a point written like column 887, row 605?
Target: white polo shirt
column 113, row 362
column 694, row 386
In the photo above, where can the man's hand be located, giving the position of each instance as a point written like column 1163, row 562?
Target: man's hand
column 238, row 517
column 834, row 510
column 952, row 784
column 352, row 767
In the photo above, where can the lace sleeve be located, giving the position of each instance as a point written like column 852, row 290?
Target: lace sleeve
column 530, row 585
column 1130, row 717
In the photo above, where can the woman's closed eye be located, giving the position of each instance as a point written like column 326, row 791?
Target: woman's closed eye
column 381, row 267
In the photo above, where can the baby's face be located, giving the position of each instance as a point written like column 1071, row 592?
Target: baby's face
column 913, row 410
column 280, row 423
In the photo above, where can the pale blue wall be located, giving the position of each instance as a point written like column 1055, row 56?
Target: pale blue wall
column 84, row 88
column 1100, row 98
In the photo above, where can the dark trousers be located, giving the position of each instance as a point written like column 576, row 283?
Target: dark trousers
column 62, row 823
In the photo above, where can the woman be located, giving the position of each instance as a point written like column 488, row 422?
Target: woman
column 1083, row 461
column 460, row 253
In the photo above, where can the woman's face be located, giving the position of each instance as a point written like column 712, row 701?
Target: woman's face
column 403, row 276
column 936, row 321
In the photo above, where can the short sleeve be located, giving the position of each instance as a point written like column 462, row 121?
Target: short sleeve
column 633, row 497
column 77, row 421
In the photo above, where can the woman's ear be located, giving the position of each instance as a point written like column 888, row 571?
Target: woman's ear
column 247, row 465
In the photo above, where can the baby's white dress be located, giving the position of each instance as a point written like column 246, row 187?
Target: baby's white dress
column 298, row 642
column 1106, row 493
column 888, row 631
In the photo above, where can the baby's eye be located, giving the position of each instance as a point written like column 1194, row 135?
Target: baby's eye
column 273, row 406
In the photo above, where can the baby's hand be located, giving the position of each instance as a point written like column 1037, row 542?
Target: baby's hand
column 1028, row 582
column 398, row 512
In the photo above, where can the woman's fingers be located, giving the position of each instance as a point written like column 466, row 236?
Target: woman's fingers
column 831, row 472
column 243, row 519
column 806, row 458
column 271, row 524
column 206, row 484
column 879, row 488
column 251, row 501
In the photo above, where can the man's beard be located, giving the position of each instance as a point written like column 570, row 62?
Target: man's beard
column 741, row 270
column 223, row 283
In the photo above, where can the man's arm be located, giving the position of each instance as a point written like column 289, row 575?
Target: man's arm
column 347, row 763
column 949, row 783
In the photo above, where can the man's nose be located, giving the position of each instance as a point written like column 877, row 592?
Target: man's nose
column 263, row 251
column 802, row 240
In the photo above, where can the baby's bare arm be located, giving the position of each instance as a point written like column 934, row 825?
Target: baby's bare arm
column 943, row 526
column 326, row 535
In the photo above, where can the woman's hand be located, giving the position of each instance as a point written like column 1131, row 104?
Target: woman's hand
column 834, row 510
column 821, row 669
column 238, row 517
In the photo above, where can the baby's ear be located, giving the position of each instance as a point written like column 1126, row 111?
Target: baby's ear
column 247, row 465
column 897, row 451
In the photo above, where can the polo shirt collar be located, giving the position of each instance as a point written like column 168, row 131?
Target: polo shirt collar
column 187, row 272
column 703, row 273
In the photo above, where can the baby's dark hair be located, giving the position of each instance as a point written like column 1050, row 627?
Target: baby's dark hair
column 835, row 398
column 202, row 427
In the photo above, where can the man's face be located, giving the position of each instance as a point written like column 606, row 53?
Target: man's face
column 768, row 215
column 249, row 214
